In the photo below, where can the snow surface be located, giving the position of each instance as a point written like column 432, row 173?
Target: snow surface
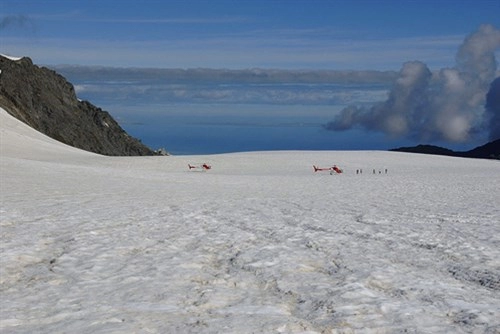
column 260, row 243
column 11, row 57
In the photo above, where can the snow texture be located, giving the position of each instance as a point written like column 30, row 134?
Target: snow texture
column 258, row 244
column 11, row 57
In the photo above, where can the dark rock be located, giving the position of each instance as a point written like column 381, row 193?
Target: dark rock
column 490, row 150
column 47, row 102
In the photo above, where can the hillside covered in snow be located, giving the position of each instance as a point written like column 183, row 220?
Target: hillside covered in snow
column 258, row 244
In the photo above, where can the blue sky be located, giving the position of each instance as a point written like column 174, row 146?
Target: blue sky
column 293, row 34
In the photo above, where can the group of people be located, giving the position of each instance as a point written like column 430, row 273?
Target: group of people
column 360, row 171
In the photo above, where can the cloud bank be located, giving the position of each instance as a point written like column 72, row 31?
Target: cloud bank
column 448, row 105
column 250, row 86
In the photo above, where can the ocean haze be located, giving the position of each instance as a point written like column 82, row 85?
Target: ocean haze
column 202, row 111
column 222, row 128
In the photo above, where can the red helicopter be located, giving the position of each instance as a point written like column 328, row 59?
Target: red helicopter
column 201, row 167
column 334, row 168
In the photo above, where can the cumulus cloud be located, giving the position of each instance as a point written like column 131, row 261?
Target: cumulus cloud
column 448, row 105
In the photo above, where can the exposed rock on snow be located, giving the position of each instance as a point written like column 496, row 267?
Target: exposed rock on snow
column 47, row 102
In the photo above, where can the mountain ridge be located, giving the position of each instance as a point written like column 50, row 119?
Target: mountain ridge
column 47, row 102
column 490, row 150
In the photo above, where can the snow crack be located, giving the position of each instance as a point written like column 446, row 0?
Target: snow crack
column 483, row 277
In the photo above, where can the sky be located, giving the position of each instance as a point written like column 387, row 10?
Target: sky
column 373, row 74
column 294, row 34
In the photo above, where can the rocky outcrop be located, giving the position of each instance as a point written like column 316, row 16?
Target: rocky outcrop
column 490, row 150
column 47, row 102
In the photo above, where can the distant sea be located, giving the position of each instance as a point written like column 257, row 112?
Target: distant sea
column 218, row 111
column 212, row 129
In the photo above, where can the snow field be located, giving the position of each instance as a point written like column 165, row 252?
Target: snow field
column 260, row 243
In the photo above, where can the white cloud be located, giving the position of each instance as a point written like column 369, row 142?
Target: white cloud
column 448, row 106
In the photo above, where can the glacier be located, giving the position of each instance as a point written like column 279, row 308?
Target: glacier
column 259, row 243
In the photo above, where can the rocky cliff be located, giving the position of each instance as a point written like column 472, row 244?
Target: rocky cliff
column 47, row 102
